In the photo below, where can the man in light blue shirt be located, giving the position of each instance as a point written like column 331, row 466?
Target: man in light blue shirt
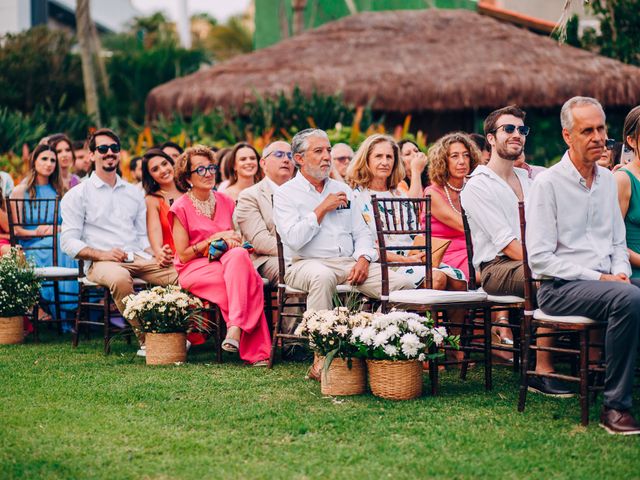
column 104, row 222
column 322, row 230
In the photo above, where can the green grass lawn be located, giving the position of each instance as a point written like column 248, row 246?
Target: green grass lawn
column 79, row 414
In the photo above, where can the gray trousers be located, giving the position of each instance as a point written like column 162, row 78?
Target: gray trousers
column 616, row 303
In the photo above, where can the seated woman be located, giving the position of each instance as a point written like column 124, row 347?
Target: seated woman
column 43, row 181
column 628, row 179
column 158, row 181
column 5, row 245
column 198, row 218
column 243, row 168
column 376, row 170
column 410, row 154
column 450, row 159
column 63, row 147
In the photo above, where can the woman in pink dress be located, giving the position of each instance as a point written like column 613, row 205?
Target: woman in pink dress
column 451, row 159
column 198, row 218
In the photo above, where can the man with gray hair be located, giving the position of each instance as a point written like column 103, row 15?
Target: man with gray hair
column 576, row 244
column 341, row 156
column 323, row 232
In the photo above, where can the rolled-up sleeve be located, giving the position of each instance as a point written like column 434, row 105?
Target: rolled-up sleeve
column 72, row 211
column 295, row 230
column 140, row 223
column 542, row 237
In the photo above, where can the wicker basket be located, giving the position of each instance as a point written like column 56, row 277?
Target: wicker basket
column 166, row 348
column 395, row 379
column 11, row 330
column 342, row 380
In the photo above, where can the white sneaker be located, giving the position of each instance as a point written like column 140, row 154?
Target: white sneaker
column 142, row 351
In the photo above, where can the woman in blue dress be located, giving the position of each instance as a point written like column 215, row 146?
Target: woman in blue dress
column 42, row 182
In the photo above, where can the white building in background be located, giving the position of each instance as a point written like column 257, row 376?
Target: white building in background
column 19, row 15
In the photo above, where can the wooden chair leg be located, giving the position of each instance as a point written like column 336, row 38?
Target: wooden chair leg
column 584, row 377
column 433, row 374
column 516, row 319
column 36, row 332
column 488, row 364
column 467, row 329
column 106, row 316
column 524, row 363
column 76, row 331
column 57, row 308
column 218, row 321
column 276, row 332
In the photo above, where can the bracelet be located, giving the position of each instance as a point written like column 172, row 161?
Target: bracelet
column 196, row 250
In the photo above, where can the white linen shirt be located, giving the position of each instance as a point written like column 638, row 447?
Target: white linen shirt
column 492, row 211
column 573, row 232
column 342, row 233
column 98, row 216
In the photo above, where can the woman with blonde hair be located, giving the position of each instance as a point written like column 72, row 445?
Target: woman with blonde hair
column 376, row 169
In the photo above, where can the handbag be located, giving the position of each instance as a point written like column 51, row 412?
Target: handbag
column 438, row 248
column 218, row 247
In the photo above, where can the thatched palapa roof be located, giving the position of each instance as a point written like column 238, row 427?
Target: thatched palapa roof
column 409, row 61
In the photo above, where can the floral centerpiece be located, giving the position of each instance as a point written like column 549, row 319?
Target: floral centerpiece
column 329, row 333
column 395, row 344
column 19, row 292
column 165, row 315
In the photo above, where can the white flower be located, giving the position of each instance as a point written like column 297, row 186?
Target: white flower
column 380, row 339
column 367, row 334
column 342, row 330
column 390, row 350
column 410, row 344
column 422, row 357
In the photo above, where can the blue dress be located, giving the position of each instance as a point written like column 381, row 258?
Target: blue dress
column 44, row 258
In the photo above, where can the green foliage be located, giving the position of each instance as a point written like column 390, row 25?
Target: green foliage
column 19, row 285
column 38, row 68
column 228, row 40
column 620, row 29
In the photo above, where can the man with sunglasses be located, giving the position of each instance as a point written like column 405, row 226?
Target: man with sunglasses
column 341, row 156
column 104, row 224
column 490, row 199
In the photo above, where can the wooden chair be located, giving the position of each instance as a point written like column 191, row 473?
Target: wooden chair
column 513, row 304
column 291, row 303
column 27, row 213
column 563, row 325
column 393, row 221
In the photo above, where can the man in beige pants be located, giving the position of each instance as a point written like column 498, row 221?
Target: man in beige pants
column 104, row 222
column 323, row 233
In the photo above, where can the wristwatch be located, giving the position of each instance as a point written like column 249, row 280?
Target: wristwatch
column 366, row 257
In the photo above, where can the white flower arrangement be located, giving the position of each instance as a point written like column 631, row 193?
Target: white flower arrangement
column 164, row 310
column 19, row 284
column 400, row 335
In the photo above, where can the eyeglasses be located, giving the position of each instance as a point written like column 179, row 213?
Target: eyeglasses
column 609, row 143
column 280, row 154
column 343, row 159
column 202, row 170
column 509, row 129
column 103, row 149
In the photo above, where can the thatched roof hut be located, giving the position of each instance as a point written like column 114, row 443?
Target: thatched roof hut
column 410, row 61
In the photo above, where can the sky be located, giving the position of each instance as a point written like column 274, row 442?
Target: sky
column 220, row 9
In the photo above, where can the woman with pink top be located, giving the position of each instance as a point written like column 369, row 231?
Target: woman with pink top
column 450, row 159
column 197, row 218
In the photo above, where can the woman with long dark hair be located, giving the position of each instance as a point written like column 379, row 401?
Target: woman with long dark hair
column 63, row 147
column 244, row 169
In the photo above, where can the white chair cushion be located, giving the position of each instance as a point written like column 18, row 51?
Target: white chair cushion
column 56, row 272
column 502, row 299
column 344, row 288
column 540, row 315
column 425, row 296
column 88, row 283
column 294, row 291
column 265, row 281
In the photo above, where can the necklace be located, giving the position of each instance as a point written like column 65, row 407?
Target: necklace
column 204, row 208
column 455, row 189
column 446, row 190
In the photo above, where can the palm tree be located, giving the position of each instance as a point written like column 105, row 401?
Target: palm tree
column 87, row 45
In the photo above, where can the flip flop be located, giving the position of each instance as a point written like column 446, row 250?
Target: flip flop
column 230, row 345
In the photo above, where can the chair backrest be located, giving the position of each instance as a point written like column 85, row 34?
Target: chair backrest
column 399, row 216
column 469, row 244
column 529, row 300
column 28, row 214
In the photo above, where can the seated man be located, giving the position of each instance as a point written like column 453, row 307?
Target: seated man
column 576, row 241
column 341, row 156
column 490, row 199
column 324, row 235
column 104, row 222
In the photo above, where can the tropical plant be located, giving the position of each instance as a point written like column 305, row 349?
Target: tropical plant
column 19, row 284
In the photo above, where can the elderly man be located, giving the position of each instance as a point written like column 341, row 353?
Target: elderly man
column 341, row 156
column 322, row 229
column 576, row 242
column 104, row 222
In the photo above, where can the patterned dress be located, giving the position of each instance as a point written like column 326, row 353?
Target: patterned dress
column 416, row 273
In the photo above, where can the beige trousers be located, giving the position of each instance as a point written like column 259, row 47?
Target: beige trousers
column 118, row 278
column 320, row 277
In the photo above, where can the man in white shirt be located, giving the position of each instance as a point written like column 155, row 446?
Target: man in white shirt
column 104, row 222
column 490, row 199
column 323, row 231
column 576, row 242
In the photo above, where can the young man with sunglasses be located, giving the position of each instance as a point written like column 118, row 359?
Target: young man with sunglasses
column 490, row 199
column 104, row 224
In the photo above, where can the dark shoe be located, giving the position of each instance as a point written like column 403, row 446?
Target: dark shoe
column 619, row 422
column 296, row 353
column 549, row 386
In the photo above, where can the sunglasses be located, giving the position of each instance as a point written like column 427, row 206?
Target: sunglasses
column 103, row 149
column 280, row 154
column 509, row 129
column 609, row 143
column 343, row 159
column 202, row 170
